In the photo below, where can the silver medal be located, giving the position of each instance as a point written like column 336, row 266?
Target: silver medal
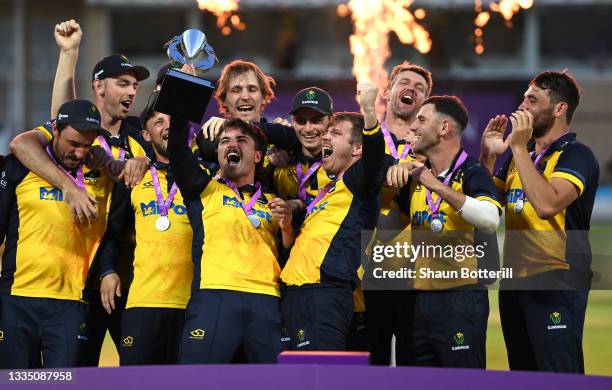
column 163, row 223
column 436, row 225
column 254, row 219
column 518, row 206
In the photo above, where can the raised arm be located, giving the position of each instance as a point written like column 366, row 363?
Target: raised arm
column 368, row 174
column 189, row 176
column 68, row 38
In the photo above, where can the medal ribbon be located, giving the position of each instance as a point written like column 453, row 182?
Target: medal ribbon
column 247, row 207
column 163, row 205
column 391, row 144
column 435, row 206
column 193, row 128
column 322, row 192
column 79, row 180
column 108, row 150
column 302, row 179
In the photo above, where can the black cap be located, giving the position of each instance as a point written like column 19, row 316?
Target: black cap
column 314, row 98
column 149, row 109
column 81, row 115
column 115, row 65
column 161, row 73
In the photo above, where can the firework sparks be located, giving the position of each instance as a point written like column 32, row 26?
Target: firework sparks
column 506, row 8
column 225, row 11
column 373, row 21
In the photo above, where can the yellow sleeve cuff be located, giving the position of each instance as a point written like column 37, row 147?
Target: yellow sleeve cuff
column 45, row 132
column 488, row 199
column 372, row 131
column 571, row 178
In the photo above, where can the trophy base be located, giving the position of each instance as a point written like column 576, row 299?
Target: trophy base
column 184, row 96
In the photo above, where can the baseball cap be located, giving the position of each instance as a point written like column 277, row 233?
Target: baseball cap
column 115, row 65
column 314, row 98
column 161, row 73
column 149, row 109
column 81, row 115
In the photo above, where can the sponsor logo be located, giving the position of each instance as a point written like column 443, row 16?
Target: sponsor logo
column 232, row 201
column 555, row 319
column 152, row 208
column 1, row 335
column 514, row 194
column 148, row 184
column 98, row 73
column 51, row 194
column 197, row 334
column 459, row 339
column 128, row 341
column 422, row 216
column 320, row 206
column 62, row 116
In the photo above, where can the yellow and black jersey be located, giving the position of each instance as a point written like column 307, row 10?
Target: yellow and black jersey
column 229, row 253
column 128, row 143
column 47, row 255
column 534, row 245
column 286, row 183
column 388, row 193
column 328, row 247
column 163, row 267
column 473, row 180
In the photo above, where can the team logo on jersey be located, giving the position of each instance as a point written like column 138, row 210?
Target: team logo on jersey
column 152, row 208
column 459, row 339
column 302, row 338
column 3, row 183
column 555, row 319
column 197, row 334
column 1, row 335
column 128, row 341
column 52, row 194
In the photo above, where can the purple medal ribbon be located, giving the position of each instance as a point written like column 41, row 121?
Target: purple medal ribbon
column 435, row 206
column 79, row 180
column 108, row 150
column 303, row 178
column 163, row 205
column 543, row 151
column 391, row 144
column 322, row 192
column 247, row 207
column 193, row 128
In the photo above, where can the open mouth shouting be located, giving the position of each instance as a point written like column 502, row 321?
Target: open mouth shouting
column 326, row 152
column 233, row 156
column 407, row 97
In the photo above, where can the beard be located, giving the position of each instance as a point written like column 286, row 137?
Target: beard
column 543, row 122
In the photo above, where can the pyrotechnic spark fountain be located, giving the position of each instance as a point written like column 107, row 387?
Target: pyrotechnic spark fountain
column 373, row 21
column 225, row 11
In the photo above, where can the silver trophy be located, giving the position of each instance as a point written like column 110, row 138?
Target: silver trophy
column 191, row 47
column 184, row 95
